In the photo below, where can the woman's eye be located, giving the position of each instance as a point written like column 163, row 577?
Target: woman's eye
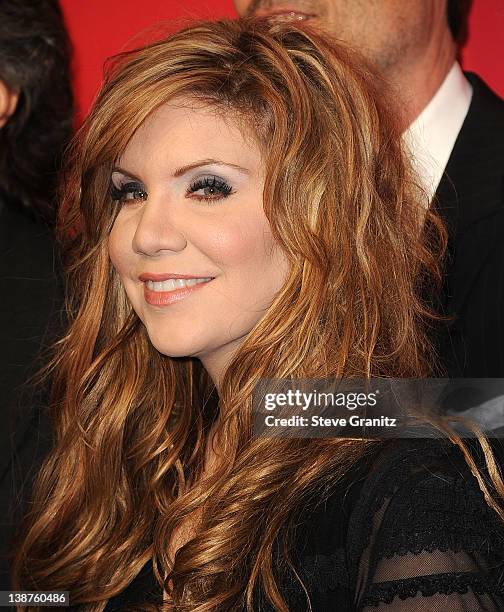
column 209, row 188
column 128, row 192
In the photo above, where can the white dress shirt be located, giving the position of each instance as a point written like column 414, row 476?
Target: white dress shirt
column 431, row 137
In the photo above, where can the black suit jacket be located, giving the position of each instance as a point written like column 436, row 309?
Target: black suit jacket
column 29, row 297
column 470, row 197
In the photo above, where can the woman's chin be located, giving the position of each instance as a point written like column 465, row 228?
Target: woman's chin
column 171, row 350
column 175, row 347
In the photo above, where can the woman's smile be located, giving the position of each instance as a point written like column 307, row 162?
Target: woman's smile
column 163, row 293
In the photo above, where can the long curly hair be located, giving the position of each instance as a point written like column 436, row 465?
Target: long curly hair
column 132, row 424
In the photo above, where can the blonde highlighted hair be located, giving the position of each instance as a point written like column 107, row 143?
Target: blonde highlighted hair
column 131, row 425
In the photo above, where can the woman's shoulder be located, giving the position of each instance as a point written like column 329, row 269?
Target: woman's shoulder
column 421, row 525
column 408, row 470
column 422, row 479
column 409, row 521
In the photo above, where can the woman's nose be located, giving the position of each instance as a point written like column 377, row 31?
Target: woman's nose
column 158, row 228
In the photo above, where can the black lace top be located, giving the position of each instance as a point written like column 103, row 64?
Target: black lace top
column 409, row 531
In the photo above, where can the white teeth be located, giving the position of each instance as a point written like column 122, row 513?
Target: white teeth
column 173, row 284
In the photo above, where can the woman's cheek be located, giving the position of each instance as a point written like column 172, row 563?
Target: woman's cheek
column 233, row 245
column 119, row 251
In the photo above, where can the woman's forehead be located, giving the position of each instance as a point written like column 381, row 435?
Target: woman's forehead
column 182, row 130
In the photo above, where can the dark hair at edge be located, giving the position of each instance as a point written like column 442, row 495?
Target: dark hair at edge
column 458, row 16
column 35, row 61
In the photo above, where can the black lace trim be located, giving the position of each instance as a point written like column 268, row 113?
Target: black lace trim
column 449, row 513
column 446, row 584
column 395, row 466
column 408, row 463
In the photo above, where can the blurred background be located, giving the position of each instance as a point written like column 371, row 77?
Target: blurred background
column 101, row 28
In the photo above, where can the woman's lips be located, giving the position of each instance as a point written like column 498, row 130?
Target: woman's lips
column 155, row 295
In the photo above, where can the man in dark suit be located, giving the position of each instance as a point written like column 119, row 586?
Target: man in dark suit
column 454, row 127
column 36, row 108
column 29, row 301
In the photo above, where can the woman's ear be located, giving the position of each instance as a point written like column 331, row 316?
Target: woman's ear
column 8, row 103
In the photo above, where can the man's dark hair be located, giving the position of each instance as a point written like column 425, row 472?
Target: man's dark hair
column 458, row 14
column 34, row 61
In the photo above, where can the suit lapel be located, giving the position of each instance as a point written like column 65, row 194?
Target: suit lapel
column 470, row 194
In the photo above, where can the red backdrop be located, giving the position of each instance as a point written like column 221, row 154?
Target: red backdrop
column 100, row 28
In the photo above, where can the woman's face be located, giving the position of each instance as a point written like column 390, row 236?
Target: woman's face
column 191, row 242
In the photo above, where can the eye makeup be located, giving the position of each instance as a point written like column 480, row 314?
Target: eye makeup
column 210, row 187
column 124, row 188
column 213, row 188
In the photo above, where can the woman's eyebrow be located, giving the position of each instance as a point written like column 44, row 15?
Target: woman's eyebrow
column 206, row 162
column 126, row 173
